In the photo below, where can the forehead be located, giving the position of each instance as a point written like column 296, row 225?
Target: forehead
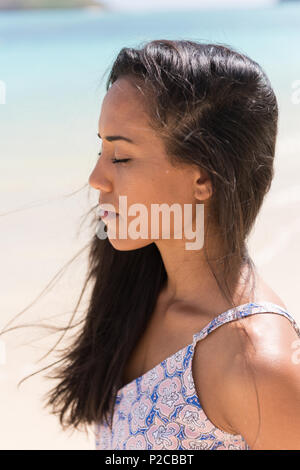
column 123, row 109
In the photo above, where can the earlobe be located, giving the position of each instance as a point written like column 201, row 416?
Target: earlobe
column 203, row 192
column 203, row 186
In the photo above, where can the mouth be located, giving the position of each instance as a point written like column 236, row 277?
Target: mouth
column 108, row 215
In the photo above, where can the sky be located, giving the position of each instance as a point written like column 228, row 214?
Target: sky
column 185, row 4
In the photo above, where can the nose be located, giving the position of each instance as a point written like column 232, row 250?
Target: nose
column 98, row 181
column 93, row 180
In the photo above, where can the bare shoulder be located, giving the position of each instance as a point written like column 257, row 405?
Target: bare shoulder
column 247, row 376
column 262, row 382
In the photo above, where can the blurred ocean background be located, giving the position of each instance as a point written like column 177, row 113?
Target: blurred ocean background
column 52, row 64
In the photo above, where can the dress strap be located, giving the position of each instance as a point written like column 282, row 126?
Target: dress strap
column 243, row 311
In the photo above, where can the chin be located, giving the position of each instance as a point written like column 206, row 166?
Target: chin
column 121, row 239
column 128, row 244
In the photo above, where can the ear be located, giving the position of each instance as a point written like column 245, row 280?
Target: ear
column 202, row 185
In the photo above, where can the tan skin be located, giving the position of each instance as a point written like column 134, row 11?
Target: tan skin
column 223, row 379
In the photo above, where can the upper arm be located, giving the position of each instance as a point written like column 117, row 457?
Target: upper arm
column 263, row 389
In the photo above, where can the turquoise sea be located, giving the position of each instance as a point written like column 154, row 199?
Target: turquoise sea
column 52, row 63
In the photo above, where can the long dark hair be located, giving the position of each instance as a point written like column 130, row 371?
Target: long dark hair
column 212, row 106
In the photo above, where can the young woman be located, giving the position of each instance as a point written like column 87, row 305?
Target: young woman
column 184, row 348
column 186, row 123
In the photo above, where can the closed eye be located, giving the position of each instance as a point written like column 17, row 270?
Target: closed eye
column 124, row 160
column 116, row 160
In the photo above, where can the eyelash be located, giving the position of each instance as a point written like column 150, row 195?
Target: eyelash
column 116, row 160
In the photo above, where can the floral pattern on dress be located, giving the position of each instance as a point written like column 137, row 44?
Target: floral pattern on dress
column 161, row 410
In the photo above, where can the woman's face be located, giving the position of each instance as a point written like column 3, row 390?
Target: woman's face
column 146, row 178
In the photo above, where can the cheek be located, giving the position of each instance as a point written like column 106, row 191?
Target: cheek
column 140, row 191
column 151, row 190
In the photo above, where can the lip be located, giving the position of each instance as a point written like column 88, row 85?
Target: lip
column 103, row 208
column 108, row 215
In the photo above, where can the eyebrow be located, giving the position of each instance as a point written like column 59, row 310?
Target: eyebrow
column 112, row 138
